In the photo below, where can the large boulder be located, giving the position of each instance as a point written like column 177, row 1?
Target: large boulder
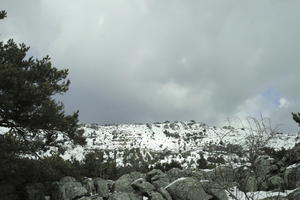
column 215, row 190
column 276, row 198
column 275, row 183
column 88, row 183
column 248, row 184
column 157, row 178
column 175, row 173
column 223, row 174
column 164, row 193
column 142, row 186
column 124, row 196
column 187, row 188
column 264, row 165
column 91, row 198
column 123, row 184
column 292, row 177
column 295, row 195
column 156, row 196
column 68, row 189
column 102, row 187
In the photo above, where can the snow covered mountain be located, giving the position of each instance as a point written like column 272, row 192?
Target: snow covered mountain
column 184, row 142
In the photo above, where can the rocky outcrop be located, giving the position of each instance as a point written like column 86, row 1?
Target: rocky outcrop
column 158, row 178
column 184, row 184
column 102, row 187
column 142, row 186
column 187, row 188
column 68, row 189
column 292, row 177
column 123, row 184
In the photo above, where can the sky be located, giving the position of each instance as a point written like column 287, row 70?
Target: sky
column 134, row 61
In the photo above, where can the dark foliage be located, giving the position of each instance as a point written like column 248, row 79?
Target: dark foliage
column 33, row 118
column 296, row 117
column 3, row 14
column 276, row 154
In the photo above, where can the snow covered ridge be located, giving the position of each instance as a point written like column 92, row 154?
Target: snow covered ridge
column 163, row 142
column 178, row 140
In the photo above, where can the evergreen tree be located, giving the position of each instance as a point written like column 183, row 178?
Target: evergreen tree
column 27, row 107
column 296, row 117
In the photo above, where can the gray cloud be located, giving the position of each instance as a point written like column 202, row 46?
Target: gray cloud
column 151, row 60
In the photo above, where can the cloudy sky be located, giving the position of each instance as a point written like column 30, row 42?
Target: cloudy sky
column 153, row 60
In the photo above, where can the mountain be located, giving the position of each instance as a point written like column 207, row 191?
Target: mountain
column 183, row 142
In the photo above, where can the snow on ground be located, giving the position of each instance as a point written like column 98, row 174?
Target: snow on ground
column 237, row 194
column 180, row 141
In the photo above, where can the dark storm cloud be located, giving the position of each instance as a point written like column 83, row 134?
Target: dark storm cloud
column 151, row 60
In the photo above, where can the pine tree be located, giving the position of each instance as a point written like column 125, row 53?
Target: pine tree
column 27, row 107
column 296, row 117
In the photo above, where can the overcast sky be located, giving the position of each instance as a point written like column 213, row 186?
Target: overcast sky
column 155, row 60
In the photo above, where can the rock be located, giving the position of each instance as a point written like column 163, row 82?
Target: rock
column 156, row 196
column 67, row 179
column 157, row 178
column 295, row 195
column 175, row 173
column 124, row 196
column 91, row 198
column 275, row 183
column 276, row 198
column 248, row 184
column 187, row 188
column 123, row 184
column 88, row 183
column 102, row 187
column 223, row 174
column 292, row 177
column 215, row 190
column 35, row 191
column 142, row 186
column 294, row 155
column 164, row 193
column 264, row 166
column 68, row 189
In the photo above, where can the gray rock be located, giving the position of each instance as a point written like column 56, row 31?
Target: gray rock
column 142, row 186
column 295, row 195
column 157, row 178
column 224, row 174
column 292, row 177
column 124, row 196
column 68, row 189
column 35, row 191
column 123, row 184
column 175, row 173
column 156, row 196
column 102, row 187
column 164, row 193
column 275, row 182
column 264, row 166
column 88, row 183
column 187, row 188
column 248, row 184
column 215, row 190
column 276, row 198
column 91, row 198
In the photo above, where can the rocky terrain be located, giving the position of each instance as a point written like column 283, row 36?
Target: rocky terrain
column 267, row 180
column 246, row 163
column 179, row 161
